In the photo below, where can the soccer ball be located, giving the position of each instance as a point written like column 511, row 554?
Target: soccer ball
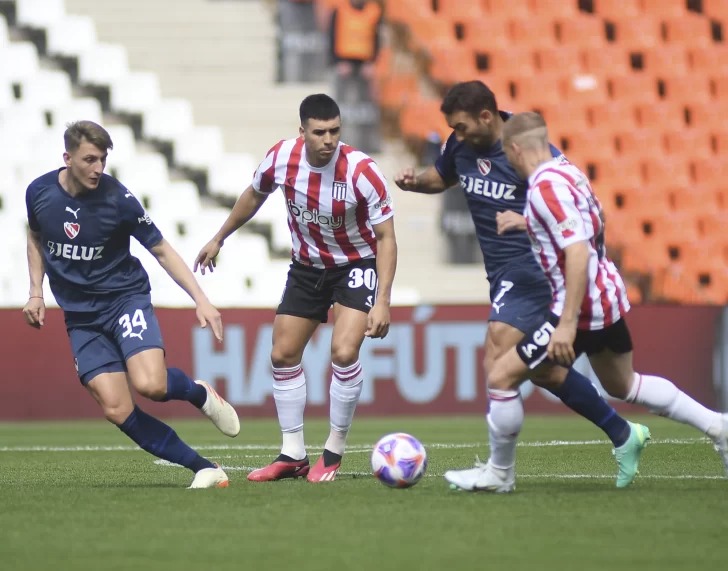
column 399, row 460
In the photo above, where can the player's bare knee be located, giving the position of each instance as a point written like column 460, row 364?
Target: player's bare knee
column 498, row 379
column 281, row 359
column 618, row 389
column 153, row 387
column 117, row 413
column 344, row 355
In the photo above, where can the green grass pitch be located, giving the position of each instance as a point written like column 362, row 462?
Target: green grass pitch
column 100, row 505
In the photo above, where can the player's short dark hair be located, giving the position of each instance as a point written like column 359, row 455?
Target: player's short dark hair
column 95, row 134
column 318, row 106
column 473, row 97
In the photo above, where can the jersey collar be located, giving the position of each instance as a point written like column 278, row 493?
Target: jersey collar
column 540, row 168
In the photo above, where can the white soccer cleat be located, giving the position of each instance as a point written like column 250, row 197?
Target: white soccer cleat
column 220, row 412
column 721, row 444
column 483, row 478
column 210, row 478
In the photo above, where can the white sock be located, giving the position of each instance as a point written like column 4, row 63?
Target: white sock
column 505, row 421
column 289, row 392
column 344, row 392
column 662, row 397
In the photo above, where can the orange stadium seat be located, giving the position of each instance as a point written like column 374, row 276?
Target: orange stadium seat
column 430, row 31
column 394, row 90
column 665, row 171
column 688, row 142
column 638, row 142
column 513, row 8
column 711, row 171
column 537, row 33
column 610, row 9
column 581, row 31
column 695, row 198
column 712, row 225
column 623, row 173
column 651, row 255
column 420, row 117
column 611, row 115
column 690, row 30
column 687, row 88
column 639, row 33
column 512, row 61
column 451, row 64
column 459, row 11
column 636, row 88
column 537, row 90
column 611, row 59
column 403, row 11
column 559, row 60
column 670, row 226
column 499, row 85
column 665, row 8
column 665, row 61
column 711, row 60
column 675, row 287
column 562, row 117
column 661, row 115
column 720, row 143
column 716, row 9
column 488, row 34
column 719, row 87
column 551, row 9
column 592, row 144
column 646, row 198
column 584, row 90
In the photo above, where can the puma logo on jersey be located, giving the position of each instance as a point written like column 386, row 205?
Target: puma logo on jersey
column 74, row 251
column 312, row 216
column 72, row 211
column 487, row 188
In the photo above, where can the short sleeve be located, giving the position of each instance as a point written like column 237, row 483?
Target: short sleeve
column 445, row 163
column 32, row 220
column 371, row 186
column 264, row 178
column 555, row 205
column 142, row 227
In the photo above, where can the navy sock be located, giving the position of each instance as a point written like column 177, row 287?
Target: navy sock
column 581, row 396
column 181, row 387
column 159, row 439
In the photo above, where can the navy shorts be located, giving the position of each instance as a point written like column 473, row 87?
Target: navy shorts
column 102, row 341
column 520, row 294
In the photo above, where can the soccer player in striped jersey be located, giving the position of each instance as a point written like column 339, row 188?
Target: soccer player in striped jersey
column 344, row 255
column 566, row 226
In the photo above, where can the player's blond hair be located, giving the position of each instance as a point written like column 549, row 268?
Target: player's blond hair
column 95, row 134
column 526, row 130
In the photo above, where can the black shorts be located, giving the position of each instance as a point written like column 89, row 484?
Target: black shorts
column 310, row 292
column 533, row 348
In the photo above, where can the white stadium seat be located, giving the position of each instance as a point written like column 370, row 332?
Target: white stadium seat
column 169, row 119
column 145, row 174
column 199, row 147
column 47, row 88
column 39, row 13
column 4, row 39
column 135, row 93
column 231, row 174
column 103, row 64
column 20, row 61
column 124, row 145
column 71, row 36
column 83, row 108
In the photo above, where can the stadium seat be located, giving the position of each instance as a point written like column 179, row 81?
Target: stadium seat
column 717, row 9
column 691, row 142
column 609, row 9
column 638, row 33
column 665, row 61
column 146, row 174
column 459, row 11
column 429, row 31
column 612, row 60
column 635, row 88
column 611, row 116
column 709, row 171
column 20, row 61
column 665, row 171
column 580, row 31
column 185, row 196
column 71, row 36
column 710, row 60
column 451, row 64
column 231, row 174
column 665, row 8
column 563, row 118
column 535, row 33
column 719, row 87
column 199, row 147
column 583, row 90
column 39, row 13
column 103, row 64
column 404, row 11
column 393, row 90
column 506, row 62
column 550, row 9
column 592, row 144
column 124, row 149
column 136, row 92
column 537, row 90
column 82, row 108
column 646, row 198
column 651, row 255
column 622, row 174
column 695, row 198
column 169, row 119
column 687, row 88
column 690, row 30
column 562, row 60
column 661, row 115
column 487, row 34
column 46, row 89
column 712, row 224
column 638, row 142
column 720, row 143
column 4, row 37
column 518, row 9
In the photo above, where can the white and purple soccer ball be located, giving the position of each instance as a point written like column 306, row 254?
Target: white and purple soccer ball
column 399, row 460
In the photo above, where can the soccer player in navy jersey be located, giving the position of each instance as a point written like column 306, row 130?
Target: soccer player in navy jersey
column 519, row 292
column 80, row 224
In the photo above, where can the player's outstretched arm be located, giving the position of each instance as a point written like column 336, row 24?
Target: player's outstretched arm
column 379, row 318
column 427, row 182
column 245, row 208
column 34, row 310
column 175, row 266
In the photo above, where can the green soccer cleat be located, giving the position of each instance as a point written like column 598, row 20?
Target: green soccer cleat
column 628, row 455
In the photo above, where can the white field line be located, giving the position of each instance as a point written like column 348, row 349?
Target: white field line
column 357, row 448
column 531, row 476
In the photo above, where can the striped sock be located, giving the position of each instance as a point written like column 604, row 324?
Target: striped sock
column 289, row 392
column 505, row 421
column 344, row 393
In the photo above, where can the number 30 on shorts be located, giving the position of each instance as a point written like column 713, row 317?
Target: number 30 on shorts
column 359, row 277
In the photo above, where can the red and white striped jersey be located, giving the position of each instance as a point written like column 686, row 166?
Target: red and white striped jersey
column 561, row 210
column 332, row 209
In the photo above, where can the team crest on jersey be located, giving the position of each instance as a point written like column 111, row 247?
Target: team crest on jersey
column 72, row 229
column 484, row 166
column 338, row 191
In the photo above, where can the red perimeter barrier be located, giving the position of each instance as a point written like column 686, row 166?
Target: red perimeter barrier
column 429, row 364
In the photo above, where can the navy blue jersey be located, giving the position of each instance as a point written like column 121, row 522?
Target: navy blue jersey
column 85, row 241
column 491, row 185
